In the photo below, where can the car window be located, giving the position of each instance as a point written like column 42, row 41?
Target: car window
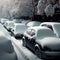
column 43, row 25
column 17, row 29
column 45, row 33
column 50, row 27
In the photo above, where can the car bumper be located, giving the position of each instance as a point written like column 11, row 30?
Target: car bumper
column 51, row 55
column 18, row 36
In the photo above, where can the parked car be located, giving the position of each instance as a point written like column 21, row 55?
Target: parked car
column 6, row 49
column 23, row 21
column 2, row 21
column 9, row 25
column 18, row 30
column 54, row 26
column 17, row 20
column 33, row 23
column 42, row 41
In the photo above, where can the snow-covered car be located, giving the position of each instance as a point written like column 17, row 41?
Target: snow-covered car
column 21, row 21
column 17, row 20
column 54, row 26
column 9, row 25
column 7, row 51
column 33, row 23
column 3, row 20
column 18, row 30
column 42, row 41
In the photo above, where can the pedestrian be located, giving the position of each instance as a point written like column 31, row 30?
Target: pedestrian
column 40, row 9
column 41, row 6
column 49, row 10
column 56, row 16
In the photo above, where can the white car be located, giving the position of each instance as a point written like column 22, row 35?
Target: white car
column 21, row 21
column 43, row 42
column 18, row 30
column 17, row 20
column 33, row 23
column 3, row 20
column 54, row 26
column 9, row 25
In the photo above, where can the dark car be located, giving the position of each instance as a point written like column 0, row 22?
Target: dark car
column 42, row 41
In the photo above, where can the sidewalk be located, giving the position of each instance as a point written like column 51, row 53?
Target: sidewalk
column 28, row 55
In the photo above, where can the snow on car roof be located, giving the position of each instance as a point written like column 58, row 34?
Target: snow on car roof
column 33, row 23
column 9, row 21
column 49, row 23
column 38, row 28
column 18, row 24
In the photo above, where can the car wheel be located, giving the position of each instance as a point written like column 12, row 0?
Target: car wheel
column 24, row 43
column 37, row 52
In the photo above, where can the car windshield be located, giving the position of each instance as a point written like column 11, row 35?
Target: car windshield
column 45, row 33
column 17, row 28
column 21, row 28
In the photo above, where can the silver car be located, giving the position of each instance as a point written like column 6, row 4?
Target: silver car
column 42, row 41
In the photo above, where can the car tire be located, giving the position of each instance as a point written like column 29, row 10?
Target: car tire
column 37, row 52
column 24, row 43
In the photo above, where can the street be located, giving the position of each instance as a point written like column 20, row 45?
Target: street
column 22, row 52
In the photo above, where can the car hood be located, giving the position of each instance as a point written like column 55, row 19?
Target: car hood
column 52, row 43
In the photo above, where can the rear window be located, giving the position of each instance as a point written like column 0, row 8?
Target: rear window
column 45, row 33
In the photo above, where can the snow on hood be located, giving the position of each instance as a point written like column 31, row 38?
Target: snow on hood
column 50, row 42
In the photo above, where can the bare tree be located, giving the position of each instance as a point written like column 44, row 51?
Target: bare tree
column 17, row 8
